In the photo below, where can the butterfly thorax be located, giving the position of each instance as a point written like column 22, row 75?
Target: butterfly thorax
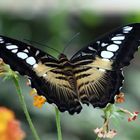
column 67, row 70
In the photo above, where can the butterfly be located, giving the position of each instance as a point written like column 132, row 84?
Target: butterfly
column 92, row 76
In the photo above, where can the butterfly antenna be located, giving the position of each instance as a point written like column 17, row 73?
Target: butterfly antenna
column 31, row 41
column 69, row 42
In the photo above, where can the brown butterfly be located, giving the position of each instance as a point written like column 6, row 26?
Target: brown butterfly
column 92, row 76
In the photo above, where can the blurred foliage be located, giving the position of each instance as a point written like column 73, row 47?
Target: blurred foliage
column 55, row 29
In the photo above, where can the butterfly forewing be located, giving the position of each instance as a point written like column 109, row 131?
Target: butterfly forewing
column 43, row 70
column 118, row 46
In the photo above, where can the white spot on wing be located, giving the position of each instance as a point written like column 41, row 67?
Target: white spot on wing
column 117, row 42
column 14, row 51
column 37, row 52
column 118, row 38
column 106, row 54
column 83, row 54
column 22, row 55
column 35, row 65
column 10, row 47
column 26, row 51
column 104, row 44
column 91, row 48
column 119, row 35
column 112, row 47
column 31, row 60
column 1, row 40
column 127, row 28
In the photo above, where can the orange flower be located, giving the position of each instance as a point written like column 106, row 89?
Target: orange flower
column 33, row 92
column 9, row 126
column 38, row 100
column 120, row 98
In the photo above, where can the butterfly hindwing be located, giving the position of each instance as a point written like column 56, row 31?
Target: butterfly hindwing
column 97, row 66
column 43, row 70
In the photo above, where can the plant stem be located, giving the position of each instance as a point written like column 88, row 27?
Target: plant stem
column 98, row 138
column 24, row 107
column 59, row 133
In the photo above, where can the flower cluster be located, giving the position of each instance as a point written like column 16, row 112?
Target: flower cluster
column 112, row 111
column 134, row 116
column 39, row 101
column 101, row 133
column 10, row 126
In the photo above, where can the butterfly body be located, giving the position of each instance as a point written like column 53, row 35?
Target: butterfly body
column 68, row 70
column 92, row 76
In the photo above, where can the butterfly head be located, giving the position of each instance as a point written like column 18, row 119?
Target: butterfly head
column 62, row 57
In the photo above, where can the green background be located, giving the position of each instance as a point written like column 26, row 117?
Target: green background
column 55, row 27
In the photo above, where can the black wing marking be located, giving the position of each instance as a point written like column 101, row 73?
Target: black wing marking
column 97, row 66
column 43, row 71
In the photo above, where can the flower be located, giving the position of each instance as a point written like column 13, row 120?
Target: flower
column 33, row 92
column 38, row 100
column 28, row 83
column 9, row 126
column 133, row 117
column 102, row 133
column 120, row 98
